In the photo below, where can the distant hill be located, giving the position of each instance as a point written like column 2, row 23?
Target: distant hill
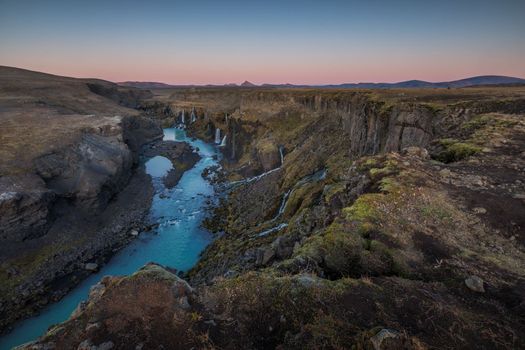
column 145, row 84
column 473, row 81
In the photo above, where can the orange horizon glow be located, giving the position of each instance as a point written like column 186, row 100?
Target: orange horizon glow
column 274, row 42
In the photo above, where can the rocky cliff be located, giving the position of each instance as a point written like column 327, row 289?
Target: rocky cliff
column 354, row 219
column 69, row 179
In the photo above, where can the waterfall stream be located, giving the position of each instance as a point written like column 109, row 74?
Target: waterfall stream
column 223, row 142
column 193, row 116
column 317, row 176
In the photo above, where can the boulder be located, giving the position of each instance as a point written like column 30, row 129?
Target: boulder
column 387, row 339
column 445, row 173
column 414, row 151
column 93, row 267
column 268, row 154
column 480, row 210
column 475, row 284
column 264, row 255
column 283, row 247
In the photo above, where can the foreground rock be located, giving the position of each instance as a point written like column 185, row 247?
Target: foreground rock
column 155, row 309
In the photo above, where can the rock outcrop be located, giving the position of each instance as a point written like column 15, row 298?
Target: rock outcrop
column 153, row 309
column 70, row 185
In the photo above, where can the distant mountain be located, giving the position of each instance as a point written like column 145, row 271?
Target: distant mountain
column 247, row 84
column 145, row 84
column 473, row 81
column 287, row 85
column 485, row 80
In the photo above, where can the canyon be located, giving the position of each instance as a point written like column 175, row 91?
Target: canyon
column 347, row 218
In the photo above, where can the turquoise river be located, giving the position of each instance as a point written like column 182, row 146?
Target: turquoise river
column 176, row 242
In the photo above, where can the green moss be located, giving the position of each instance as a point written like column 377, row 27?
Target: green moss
column 435, row 212
column 155, row 272
column 455, row 150
column 389, row 184
column 383, row 168
column 342, row 251
column 330, row 191
column 488, row 120
column 476, row 123
column 363, row 208
column 338, row 165
column 379, row 259
column 303, row 197
column 433, row 107
column 337, row 249
column 368, row 163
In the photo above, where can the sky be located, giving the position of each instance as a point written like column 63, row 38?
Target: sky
column 272, row 41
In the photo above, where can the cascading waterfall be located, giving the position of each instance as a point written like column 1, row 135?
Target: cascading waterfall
column 317, row 176
column 255, row 178
column 223, row 142
column 283, row 205
column 272, row 230
column 218, row 136
column 182, row 118
column 193, row 116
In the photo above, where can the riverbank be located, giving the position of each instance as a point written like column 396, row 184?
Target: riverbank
column 171, row 232
column 73, row 190
column 108, row 232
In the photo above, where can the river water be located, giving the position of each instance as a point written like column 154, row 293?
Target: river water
column 176, row 242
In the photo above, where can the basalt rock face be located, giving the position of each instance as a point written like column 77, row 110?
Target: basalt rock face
column 70, row 198
column 70, row 184
column 257, row 127
column 86, row 176
column 138, row 132
column 25, row 214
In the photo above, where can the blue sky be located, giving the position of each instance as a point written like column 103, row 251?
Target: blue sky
column 293, row 41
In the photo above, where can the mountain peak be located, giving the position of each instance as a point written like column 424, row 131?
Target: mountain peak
column 247, row 84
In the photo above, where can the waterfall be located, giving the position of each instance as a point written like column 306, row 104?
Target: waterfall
column 283, row 203
column 255, row 178
column 273, row 229
column 223, row 142
column 281, row 153
column 193, row 117
column 218, row 136
column 182, row 118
